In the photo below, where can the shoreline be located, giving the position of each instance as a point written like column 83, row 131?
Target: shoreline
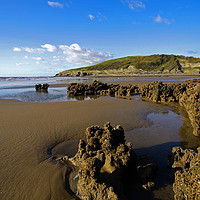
column 29, row 129
column 116, row 79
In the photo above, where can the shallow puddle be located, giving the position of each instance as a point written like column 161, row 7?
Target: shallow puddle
column 166, row 131
column 57, row 94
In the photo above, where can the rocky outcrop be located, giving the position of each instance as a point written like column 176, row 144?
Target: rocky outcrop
column 41, row 87
column 99, row 88
column 104, row 153
column 103, row 161
column 187, row 94
column 73, row 74
column 186, row 165
column 190, row 100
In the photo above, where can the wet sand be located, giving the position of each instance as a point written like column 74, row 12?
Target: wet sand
column 27, row 130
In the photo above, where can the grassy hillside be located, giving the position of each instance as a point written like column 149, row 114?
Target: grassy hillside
column 144, row 64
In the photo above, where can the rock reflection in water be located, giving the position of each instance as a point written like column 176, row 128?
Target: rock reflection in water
column 168, row 129
column 82, row 97
column 186, row 133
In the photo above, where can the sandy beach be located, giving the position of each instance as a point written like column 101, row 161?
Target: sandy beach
column 27, row 130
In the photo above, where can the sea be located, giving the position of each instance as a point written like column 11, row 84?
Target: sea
column 22, row 88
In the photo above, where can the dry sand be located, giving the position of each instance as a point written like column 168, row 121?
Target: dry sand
column 28, row 129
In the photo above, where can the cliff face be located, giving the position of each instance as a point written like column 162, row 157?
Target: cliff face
column 133, row 65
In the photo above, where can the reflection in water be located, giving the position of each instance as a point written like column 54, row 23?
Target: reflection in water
column 81, row 97
column 57, row 94
column 46, row 91
column 168, row 129
column 186, row 133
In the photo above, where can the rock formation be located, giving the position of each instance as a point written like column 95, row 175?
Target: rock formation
column 187, row 94
column 99, row 88
column 102, row 162
column 186, row 164
column 73, row 74
column 41, row 88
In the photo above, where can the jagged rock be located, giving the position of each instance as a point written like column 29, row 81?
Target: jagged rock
column 99, row 88
column 41, row 88
column 102, row 161
column 149, row 186
column 190, row 100
column 104, row 153
column 187, row 94
column 186, row 164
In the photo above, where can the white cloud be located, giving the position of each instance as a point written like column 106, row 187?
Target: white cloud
column 98, row 17
column 37, row 58
column 64, row 55
column 83, row 56
column 17, row 49
column 20, row 64
column 133, row 4
column 191, row 51
column 44, row 62
column 55, row 4
column 91, row 17
column 26, row 57
column 49, row 47
column 33, row 50
column 159, row 19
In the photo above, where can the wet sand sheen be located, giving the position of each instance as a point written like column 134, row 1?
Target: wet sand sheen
column 28, row 129
column 156, row 140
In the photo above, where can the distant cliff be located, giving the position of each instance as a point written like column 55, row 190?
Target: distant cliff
column 140, row 65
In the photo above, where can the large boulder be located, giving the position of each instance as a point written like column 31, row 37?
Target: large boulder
column 104, row 153
column 104, row 161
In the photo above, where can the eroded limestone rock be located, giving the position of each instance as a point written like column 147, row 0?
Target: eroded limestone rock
column 186, row 164
column 104, row 152
column 102, row 162
column 99, row 88
column 187, row 94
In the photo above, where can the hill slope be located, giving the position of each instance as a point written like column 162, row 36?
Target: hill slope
column 131, row 65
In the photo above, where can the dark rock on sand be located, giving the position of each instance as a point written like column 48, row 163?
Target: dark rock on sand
column 187, row 94
column 105, row 152
column 41, row 87
column 186, row 164
column 99, row 88
column 102, row 163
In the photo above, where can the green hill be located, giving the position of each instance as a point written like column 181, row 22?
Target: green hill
column 131, row 65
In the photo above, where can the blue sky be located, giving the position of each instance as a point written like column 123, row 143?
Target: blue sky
column 39, row 37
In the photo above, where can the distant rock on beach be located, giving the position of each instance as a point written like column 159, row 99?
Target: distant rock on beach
column 41, row 87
